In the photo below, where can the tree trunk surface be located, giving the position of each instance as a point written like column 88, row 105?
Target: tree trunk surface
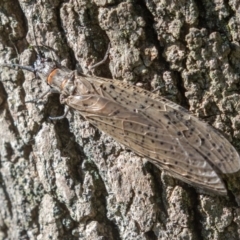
column 66, row 179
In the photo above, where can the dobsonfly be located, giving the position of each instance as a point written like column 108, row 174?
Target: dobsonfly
column 152, row 126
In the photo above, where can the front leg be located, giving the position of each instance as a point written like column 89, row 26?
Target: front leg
column 66, row 109
column 90, row 68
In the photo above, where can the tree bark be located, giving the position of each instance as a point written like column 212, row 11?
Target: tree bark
column 65, row 179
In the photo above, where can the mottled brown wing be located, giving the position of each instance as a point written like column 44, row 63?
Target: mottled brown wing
column 166, row 144
column 177, row 120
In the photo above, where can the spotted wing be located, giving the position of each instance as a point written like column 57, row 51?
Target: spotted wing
column 168, row 143
column 177, row 120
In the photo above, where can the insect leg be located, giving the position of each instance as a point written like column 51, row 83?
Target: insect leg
column 66, row 110
column 156, row 89
column 101, row 62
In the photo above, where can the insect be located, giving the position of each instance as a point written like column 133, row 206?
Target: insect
column 152, row 126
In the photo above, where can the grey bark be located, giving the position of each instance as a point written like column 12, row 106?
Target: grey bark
column 67, row 180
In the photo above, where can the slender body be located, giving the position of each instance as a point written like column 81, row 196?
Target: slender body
column 152, row 126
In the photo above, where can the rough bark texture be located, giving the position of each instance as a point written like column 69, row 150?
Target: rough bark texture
column 67, row 180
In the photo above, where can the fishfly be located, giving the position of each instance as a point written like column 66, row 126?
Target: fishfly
column 152, row 126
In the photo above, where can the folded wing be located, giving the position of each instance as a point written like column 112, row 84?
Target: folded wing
column 170, row 137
